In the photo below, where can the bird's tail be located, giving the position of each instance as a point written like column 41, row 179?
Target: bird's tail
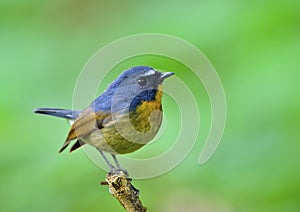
column 62, row 113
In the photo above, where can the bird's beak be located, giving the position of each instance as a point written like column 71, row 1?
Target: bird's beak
column 165, row 75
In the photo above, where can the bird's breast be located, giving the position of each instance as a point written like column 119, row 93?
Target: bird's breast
column 147, row 115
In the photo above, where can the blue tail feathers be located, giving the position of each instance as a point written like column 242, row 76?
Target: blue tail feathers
column 61, row 113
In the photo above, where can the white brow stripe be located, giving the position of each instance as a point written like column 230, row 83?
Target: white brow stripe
column 148, row 73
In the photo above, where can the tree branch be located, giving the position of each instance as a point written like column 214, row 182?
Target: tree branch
column 121, row 188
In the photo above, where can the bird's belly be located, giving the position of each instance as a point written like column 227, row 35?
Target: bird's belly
column 115, row 145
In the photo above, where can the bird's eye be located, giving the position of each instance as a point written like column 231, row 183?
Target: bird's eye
column 142, row 81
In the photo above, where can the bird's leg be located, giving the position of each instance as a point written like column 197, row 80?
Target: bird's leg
column 116, row 161
column 112, row 168
column 118, row 165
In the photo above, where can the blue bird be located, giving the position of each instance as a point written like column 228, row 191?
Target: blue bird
column 125, row 117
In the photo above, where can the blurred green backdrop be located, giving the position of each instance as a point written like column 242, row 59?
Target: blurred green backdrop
column 255, row 48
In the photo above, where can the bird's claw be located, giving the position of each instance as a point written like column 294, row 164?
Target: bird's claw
column 119, row 172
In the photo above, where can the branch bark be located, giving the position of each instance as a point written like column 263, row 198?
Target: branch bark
column 120, row 187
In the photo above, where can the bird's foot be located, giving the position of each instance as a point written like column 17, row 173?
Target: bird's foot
column 119, row 172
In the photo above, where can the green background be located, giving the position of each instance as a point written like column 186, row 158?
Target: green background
column 255, row 48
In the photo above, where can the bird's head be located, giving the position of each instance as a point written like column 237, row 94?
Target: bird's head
column 140, row 78
column 134, row 85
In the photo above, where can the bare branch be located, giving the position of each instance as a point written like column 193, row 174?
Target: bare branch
column 121, row 188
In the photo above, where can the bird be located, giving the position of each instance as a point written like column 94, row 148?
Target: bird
column 125, row 117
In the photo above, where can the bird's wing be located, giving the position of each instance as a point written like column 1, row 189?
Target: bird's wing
column 87, row 122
